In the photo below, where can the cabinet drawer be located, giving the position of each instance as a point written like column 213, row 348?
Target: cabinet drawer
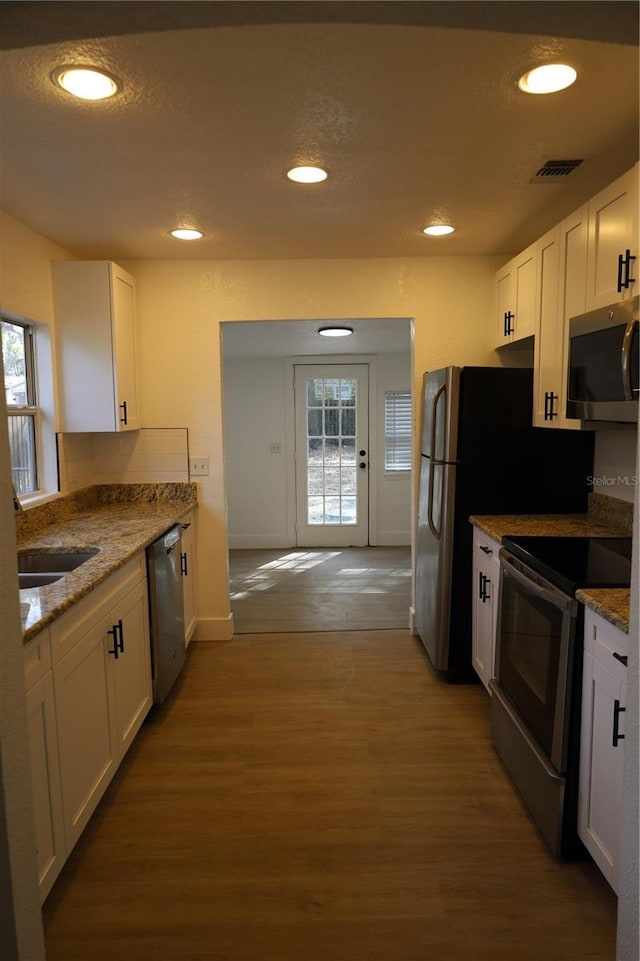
column 486, row 549
column 69, row 629
column 603, row 641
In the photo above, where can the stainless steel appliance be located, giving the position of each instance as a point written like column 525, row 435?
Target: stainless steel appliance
column 535, row 708
column 603, row 364
column 166, row 610
column 480, row 455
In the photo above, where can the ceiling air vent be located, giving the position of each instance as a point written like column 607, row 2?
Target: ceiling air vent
column 553, row 170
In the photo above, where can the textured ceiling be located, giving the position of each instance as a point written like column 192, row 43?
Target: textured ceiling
column 412, row 122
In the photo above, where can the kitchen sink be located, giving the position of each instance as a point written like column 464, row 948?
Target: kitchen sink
column 52, row 562
column 37, row 580
column 39, row 568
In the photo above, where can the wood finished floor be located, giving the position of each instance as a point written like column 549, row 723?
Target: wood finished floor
column 317, row 589
column 316, row 797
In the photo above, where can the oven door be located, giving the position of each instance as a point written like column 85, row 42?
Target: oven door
column 534, row 655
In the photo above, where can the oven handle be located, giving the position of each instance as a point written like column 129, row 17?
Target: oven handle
column 555, row 597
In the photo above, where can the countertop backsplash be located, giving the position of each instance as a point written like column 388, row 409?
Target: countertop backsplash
column 611, row 511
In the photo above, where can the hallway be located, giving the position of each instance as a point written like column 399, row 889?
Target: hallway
column 306, row 797
column 320, row 589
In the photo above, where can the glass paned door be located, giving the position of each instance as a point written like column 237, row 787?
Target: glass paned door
column 332, row 455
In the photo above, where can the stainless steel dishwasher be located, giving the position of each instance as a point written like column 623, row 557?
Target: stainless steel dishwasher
column 166, row 611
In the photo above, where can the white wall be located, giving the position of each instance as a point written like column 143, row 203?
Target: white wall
column 258, row 404
column 258, row 482
column 452, row 325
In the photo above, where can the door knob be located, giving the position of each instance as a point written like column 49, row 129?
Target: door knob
column 362, row 453
column 362, row 465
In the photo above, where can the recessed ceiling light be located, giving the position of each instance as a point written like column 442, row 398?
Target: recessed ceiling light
column 438, row 230
column 86, row 83
column 186, row 233
column 547, row 79
column 307, row 175
column 335, row 331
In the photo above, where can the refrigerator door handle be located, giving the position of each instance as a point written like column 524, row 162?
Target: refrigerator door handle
column 434, row 420
column 432, row 528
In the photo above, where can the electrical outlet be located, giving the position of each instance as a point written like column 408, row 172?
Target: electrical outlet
column 275, row 447
column 199, row 466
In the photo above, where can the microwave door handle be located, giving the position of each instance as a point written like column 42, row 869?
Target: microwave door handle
column 557, row 598
column 626, row 360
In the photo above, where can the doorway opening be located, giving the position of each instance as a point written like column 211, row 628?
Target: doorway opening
column 319, row 515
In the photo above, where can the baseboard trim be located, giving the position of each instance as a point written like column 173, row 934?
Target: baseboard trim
column 214, row 628
column 261, row 542
column 394, row 539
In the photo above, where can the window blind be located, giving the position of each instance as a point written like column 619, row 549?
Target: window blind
column 397, row 431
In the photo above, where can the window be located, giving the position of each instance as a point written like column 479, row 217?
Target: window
column 20, row 395
column 397, row 431
column 30, row 401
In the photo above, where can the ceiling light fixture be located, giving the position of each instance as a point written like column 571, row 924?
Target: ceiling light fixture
column 86, row 83
column 307, row 175
column 438, row 230
column 547, row 79
column 186, row 233
column 335, row 331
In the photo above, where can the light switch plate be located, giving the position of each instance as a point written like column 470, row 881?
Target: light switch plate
column 199, row 466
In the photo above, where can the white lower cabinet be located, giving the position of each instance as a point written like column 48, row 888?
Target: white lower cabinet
column 88, row 684
column 604, row 686
column 45, row 769
column 188, row 568
column 486, row 578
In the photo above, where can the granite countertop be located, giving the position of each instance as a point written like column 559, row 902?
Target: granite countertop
column 120, row 520
column 612, row 603
column 545, row 525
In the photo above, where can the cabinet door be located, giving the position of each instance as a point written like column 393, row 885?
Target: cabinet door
column 516, row 298
column 45, row 782
column 124, row 350
column 482, row 621
column 525, row 270
column 505, row 303
column 486, row 573
column 131, row 670
column 613, row 239
column 602, row 756
column 188, row 577
column 546, row 372
column 87, row 744
column 94, row 303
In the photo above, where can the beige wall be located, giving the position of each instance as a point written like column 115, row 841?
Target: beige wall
column 181, row 306
column 25, row 271
column 182, row 303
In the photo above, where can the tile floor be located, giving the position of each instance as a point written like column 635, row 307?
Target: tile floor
column 320, row 589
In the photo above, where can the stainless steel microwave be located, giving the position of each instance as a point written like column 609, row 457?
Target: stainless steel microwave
column 603, row 364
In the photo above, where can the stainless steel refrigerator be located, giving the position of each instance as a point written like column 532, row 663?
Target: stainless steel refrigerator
column 480, row 454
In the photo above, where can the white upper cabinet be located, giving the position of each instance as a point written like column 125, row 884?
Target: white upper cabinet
column 516, row 298
column 612, row 264
column 561, row 294
column 95, row 324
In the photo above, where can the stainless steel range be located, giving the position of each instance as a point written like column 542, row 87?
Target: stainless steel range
column 535, row 709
